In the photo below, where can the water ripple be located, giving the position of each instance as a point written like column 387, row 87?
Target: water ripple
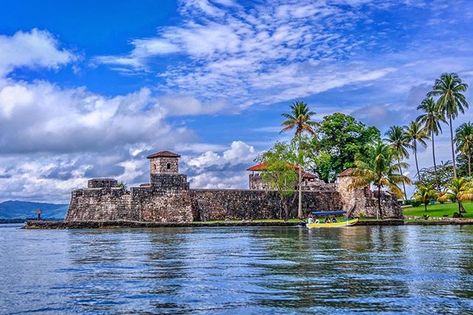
column 250, row 270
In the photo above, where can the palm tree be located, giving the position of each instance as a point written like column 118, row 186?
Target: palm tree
column 299, row 118
column 449, row 88
column 416, row 134
column 431, row 119
column 425, row 193
column 464, row 142
column 460, row 190
column 399, row 142
column 380, row 169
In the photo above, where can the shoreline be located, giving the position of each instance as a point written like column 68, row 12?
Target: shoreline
column 34, row 224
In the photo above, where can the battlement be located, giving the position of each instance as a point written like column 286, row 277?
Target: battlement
column 102, row 183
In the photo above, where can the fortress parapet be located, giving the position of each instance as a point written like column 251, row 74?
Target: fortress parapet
column 102, row 183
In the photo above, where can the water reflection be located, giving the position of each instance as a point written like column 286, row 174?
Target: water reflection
column 406, row 269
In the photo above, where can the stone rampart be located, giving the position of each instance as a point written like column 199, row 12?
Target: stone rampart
column 236, row 204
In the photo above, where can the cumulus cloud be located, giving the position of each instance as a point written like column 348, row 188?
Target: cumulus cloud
column 43, row 117
column 31, row 49
column 224, row 169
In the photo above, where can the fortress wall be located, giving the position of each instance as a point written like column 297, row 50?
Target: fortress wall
column 149, row 204
column 100, row 204
column 155, row 205
column 363, row 202
column 235, row 204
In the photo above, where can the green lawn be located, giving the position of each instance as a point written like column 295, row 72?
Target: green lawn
column 439, row 210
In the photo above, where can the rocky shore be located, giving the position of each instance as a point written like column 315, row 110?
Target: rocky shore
column 35, row 224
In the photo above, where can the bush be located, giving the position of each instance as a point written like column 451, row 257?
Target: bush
column 415, row 203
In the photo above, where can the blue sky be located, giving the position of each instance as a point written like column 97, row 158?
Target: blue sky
column 90, row 88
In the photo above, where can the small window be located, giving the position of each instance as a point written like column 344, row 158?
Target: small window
column 168, row 166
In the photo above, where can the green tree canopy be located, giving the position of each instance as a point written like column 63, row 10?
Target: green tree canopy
column 341, row 138
column 280, row 173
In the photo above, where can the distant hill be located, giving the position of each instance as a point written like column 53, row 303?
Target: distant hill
column 15, row 209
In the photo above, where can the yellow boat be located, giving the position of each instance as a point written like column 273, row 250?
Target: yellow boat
column 332, row 225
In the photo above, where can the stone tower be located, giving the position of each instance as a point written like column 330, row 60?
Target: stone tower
column 164, row 171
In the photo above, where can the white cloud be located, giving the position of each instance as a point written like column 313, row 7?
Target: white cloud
column 40, row 117
column 239, row 152
column 184, row 105
column 275, row 52
column 31, row 49
column 224, row 169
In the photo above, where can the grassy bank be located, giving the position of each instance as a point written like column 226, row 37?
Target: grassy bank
column 439, row 210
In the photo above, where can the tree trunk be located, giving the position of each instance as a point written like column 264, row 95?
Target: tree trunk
column 299, row 206
column 379, row 213
column 435, row 164
column 453, row 150
column 403, row 184
column 469, row 164
column 415, row 156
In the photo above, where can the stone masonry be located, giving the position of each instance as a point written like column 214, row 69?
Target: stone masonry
column 167, row 198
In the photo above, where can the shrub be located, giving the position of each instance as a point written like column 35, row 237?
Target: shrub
column 415, row 203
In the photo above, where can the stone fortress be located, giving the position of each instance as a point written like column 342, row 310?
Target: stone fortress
column 168, row 198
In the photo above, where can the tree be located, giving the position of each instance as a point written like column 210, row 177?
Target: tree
column 399, row 142
column 439, row 177
column 464, row 142
column 416, row 135
column 425, row 193
column 450, row 88
column 300, row 119
column 340, row 139
column 431, row 119
column 380, row 169
column 458, row 191
column 280, row 174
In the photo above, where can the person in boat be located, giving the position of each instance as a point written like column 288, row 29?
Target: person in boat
column 310, row 220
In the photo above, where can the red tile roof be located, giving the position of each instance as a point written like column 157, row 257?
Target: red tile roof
column 168, row 154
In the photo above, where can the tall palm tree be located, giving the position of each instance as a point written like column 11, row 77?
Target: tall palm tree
column 431, row 119
column 300, row 119
column 464, row 142
column 380, row 169
column 450, row 88
column 399, row 142
column 416, row 135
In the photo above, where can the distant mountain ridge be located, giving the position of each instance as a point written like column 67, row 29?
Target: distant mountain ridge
column 16, row 209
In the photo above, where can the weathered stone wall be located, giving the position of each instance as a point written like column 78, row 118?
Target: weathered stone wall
column 236, row 204
column 169, row 181
column 139, row 204
column 164, row 165
column 101, row 204
column 102, row 183
column 173, row 203
column 363, row 202
column 154, row 205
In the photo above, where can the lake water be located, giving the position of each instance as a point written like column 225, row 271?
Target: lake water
column 250, row 270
